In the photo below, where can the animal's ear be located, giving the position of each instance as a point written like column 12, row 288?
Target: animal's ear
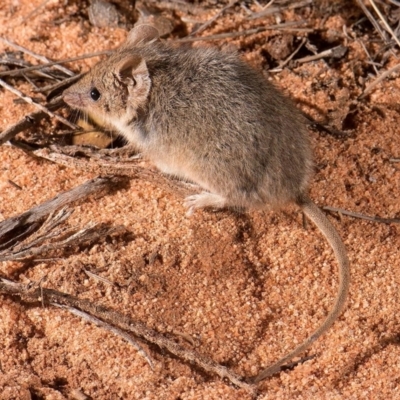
column 131, row 69
column 141, row 34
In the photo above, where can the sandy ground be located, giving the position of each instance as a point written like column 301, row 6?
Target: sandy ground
column 246, row 288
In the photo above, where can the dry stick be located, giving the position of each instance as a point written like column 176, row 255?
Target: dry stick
column 37, row 233
column 98, row 278
column 373, row 21
column 335, row 52
column 28, row 121
column 109, row 328
column 369, row 56
column 214, row 18
column 78, row 193
column 88, row 234
column 9, row 61
column 37, row 56
column 52, row 63
column 393, row 160
column 379, row 79
column 388, row 28
column 32, row 295
column 12, row 183
column 363, row 216
column 35, row 10
column 64, row 82
column 181, row 6
column 37, row 105
column 247, row 32
column 276, row 9
column 283, row 63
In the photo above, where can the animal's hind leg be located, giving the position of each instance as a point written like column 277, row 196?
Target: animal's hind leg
column 202, row 200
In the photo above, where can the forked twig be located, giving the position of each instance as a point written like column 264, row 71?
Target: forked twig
column 37, row 213
column 33, row 294
column 363, row 216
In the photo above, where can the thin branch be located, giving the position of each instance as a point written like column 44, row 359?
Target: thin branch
column 206, row 24
column 35, row 10
column 58, row 85
column 59, row 240
column 52, row 63
column 28, row 121
column 35, row 55
column 373, row 21
column 285, row 62
column 109, row 328
column 99, row 278
column 78, row 193
column 386, row 25
column 370, row 59
column 335, row 52
column 9, row 60
column 363, row 216
column 277, row 9
column 34, row 294
column 242, row 33
column 37, row 105
column 379, row 79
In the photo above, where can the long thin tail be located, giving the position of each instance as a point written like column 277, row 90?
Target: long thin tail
column 330, row 233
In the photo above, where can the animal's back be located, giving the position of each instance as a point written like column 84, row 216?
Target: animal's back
column 209, row 108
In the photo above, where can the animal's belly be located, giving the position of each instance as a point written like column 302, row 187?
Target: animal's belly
column 183, row 170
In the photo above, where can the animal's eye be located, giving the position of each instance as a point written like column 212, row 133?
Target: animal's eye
column 94, row 94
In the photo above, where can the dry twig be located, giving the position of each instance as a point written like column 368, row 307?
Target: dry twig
column 52, row 63
column 206, row 24
column 285, row 62
column 28, row 121
column 276, row 9
column 335, row 52
column 34, row 294
column 57, row 240
column 363, row 216
column 110, row 328
column 219, row 36
column 35, row 214
column 384, row 22
column 35, row 55
column 373, row 21
column 379, row 79
column 37, row 105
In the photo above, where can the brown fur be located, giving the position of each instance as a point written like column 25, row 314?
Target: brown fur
column 204, row 115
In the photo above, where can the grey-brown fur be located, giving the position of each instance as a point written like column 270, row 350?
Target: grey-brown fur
column 205, row 115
